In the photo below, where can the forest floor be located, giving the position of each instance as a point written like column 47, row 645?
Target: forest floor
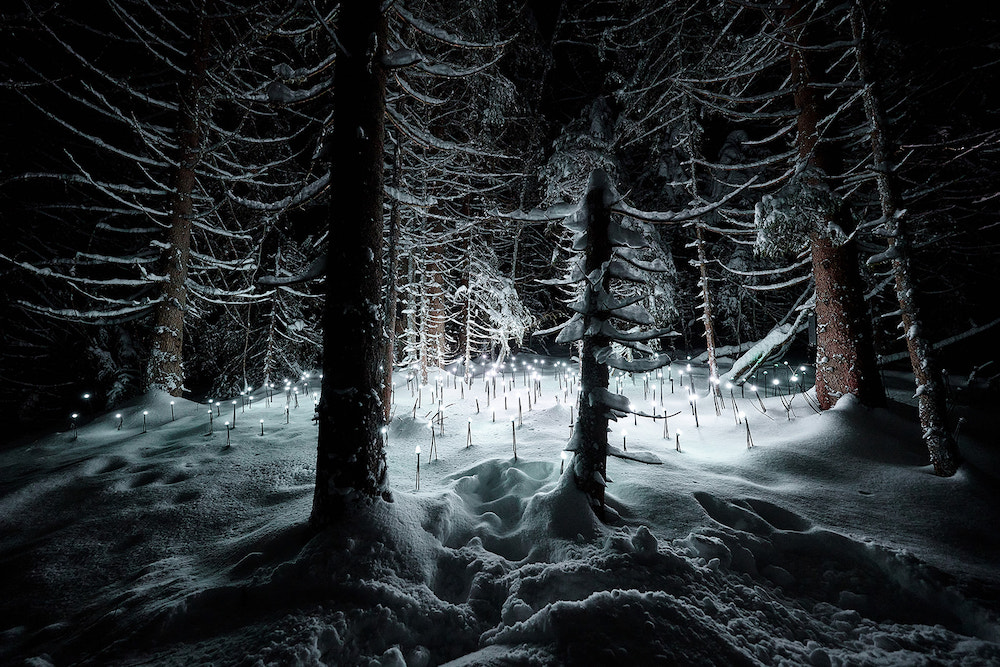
column 829, row 542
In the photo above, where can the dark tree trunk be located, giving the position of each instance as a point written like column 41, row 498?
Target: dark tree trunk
column 165, row 369
column 590, row 460
column 845, row 351
column 350, row 464
column 931, row 403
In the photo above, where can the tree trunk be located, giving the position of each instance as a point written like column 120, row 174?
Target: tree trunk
column 931, row 404
column 845, row 352
column 590, row 460
column 707, row 315
column 272, row 323
column 164, row 368
column 391, row 293
column 350, row 462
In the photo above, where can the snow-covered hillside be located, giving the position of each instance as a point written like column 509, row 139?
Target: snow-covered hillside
column 829, row 542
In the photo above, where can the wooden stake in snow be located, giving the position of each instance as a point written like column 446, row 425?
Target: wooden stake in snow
column 749, row 437
column 433, row 449
column 678, row 442
column 513, row 437
column 468, row 441
column 562, row 461
column 624, row 436
column 417, row 450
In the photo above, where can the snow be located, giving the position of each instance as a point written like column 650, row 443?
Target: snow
column 828, row 543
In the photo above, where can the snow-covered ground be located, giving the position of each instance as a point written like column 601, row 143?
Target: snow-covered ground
column 829, row 542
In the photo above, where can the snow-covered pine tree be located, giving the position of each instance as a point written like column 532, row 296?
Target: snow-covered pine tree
column 165, row 115
column 845, row 351
column 607, row 252
column 930, row 390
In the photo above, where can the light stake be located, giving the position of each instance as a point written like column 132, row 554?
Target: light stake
column 749, row 437
column 433, row 449
column 385, row 434
column 468, row 442
column 120, row 420
column 72, row 424
column 624, row 436
column 513, row 437
column 418, row 466
column 678, row 441
column 171, row 411
column 262, row 427
column 227, row 434
column 562, row 462
column 211, row 419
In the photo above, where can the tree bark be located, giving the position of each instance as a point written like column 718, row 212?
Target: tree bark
column 391, row 293
column 707, row 316
column 931, row 404
column 590, row 459
column 165, row 368
column 845, row 351
column 350, row 464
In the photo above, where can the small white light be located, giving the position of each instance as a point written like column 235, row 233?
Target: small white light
column 417, row 449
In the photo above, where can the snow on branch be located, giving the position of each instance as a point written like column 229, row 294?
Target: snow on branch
column 92, row 316
column 310, row 191
column 674, row 217
column 315, row 270
column 430, row 141
column 404, row 197
column 443, row 36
